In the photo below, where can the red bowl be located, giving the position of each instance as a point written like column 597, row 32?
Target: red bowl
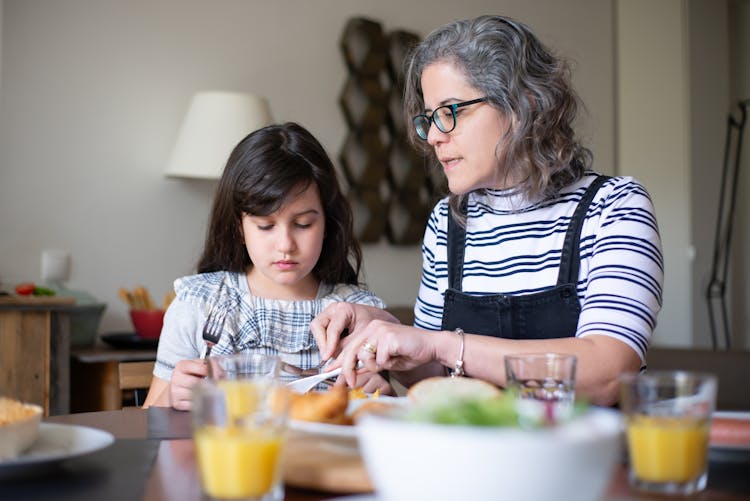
column 147, row 323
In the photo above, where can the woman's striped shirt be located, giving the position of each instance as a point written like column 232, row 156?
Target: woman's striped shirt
column 513, row 247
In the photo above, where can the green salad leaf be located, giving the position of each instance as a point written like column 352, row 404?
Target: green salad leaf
column 493, row 411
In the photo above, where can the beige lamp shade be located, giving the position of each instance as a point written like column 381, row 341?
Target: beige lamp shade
column 215, row 122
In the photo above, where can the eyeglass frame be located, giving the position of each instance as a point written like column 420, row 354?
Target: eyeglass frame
column 430, row 119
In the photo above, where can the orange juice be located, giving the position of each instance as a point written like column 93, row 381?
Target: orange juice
column 238, row 463
column 667, row 449
column 241, row 397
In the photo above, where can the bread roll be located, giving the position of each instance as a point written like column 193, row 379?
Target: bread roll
column 321, row 406
column 451, row 388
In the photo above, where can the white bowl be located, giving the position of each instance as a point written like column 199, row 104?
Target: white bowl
column 18, row 435
column 574, row 461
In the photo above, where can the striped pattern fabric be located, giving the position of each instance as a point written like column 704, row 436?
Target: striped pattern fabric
column 513, row 247
column 245, row 323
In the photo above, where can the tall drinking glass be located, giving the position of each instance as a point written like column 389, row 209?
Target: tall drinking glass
column 668, row 419
column 239, row 424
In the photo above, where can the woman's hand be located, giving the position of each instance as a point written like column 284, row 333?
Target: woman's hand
column 385, row 345
column 186, row 374
column 370, row 382
column 337, row 317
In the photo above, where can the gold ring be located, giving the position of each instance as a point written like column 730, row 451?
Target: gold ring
column 369, row 347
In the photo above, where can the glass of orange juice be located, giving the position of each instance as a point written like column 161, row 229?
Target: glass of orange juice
column 239, row 424
column 668, row 420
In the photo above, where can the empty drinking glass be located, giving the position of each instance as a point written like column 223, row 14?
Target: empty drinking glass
column 544, row 386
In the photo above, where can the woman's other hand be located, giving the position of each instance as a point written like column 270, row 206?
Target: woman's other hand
column 386, row 345
column 186, row 374
column 370, row 382
column 337, row 317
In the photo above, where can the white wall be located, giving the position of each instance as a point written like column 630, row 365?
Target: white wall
column 1, row 44
column 93, row 92
column 652, row 138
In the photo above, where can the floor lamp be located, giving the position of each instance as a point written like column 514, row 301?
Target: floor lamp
column 716, row 289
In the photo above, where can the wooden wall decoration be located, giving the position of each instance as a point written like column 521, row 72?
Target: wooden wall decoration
column 392, row 191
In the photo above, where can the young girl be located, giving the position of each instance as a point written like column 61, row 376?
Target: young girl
column 279, row 249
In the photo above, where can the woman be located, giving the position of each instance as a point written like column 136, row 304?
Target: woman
column 532, row 251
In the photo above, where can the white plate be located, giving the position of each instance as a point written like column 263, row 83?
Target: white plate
column 323, row 429
column 732, row 414
column 56, row 442
column 339, row 430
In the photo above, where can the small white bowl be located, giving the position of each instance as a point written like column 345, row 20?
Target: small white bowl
column 573, row 461
column 18, row 435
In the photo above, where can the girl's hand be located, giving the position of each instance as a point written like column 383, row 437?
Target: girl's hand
column 331, row 322
column 186, row 374
column 385, row 345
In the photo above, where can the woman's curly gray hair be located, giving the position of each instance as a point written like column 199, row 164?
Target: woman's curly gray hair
column 506, row 62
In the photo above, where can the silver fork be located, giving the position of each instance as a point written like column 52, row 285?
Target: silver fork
column 215, row 323
column 211, row 330
column 306, row 384
column 299, row 371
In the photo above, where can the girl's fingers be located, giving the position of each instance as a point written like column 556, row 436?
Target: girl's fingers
column 184, row 404
column 180, row 398
column 186, row 374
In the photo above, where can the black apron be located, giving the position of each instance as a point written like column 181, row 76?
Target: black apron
column 543, row 315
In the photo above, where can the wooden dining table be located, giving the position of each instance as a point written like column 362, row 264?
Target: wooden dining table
column 153, row 459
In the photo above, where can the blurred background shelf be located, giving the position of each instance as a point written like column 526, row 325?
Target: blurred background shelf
column 32, row 302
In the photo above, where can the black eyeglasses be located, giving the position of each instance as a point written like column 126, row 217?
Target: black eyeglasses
column 443, row 117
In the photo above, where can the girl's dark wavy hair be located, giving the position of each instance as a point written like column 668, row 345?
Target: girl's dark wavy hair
column 264, row 170
column 505, row 61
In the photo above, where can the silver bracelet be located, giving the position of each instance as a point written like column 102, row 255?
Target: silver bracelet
column 459, row 370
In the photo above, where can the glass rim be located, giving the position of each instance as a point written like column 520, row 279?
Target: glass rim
column 227, row 365
column 664, row 376
column 245, row 355
column 543, row 355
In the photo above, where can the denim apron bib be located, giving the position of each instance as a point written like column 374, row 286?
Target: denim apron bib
column 543, row 315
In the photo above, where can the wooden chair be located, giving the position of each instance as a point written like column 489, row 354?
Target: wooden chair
column 136, row 376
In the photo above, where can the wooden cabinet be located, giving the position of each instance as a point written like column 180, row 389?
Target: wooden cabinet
column 35, row 351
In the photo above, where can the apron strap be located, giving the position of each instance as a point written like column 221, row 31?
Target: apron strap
column 570, row 255
column 569, row 258
column 456, row 240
